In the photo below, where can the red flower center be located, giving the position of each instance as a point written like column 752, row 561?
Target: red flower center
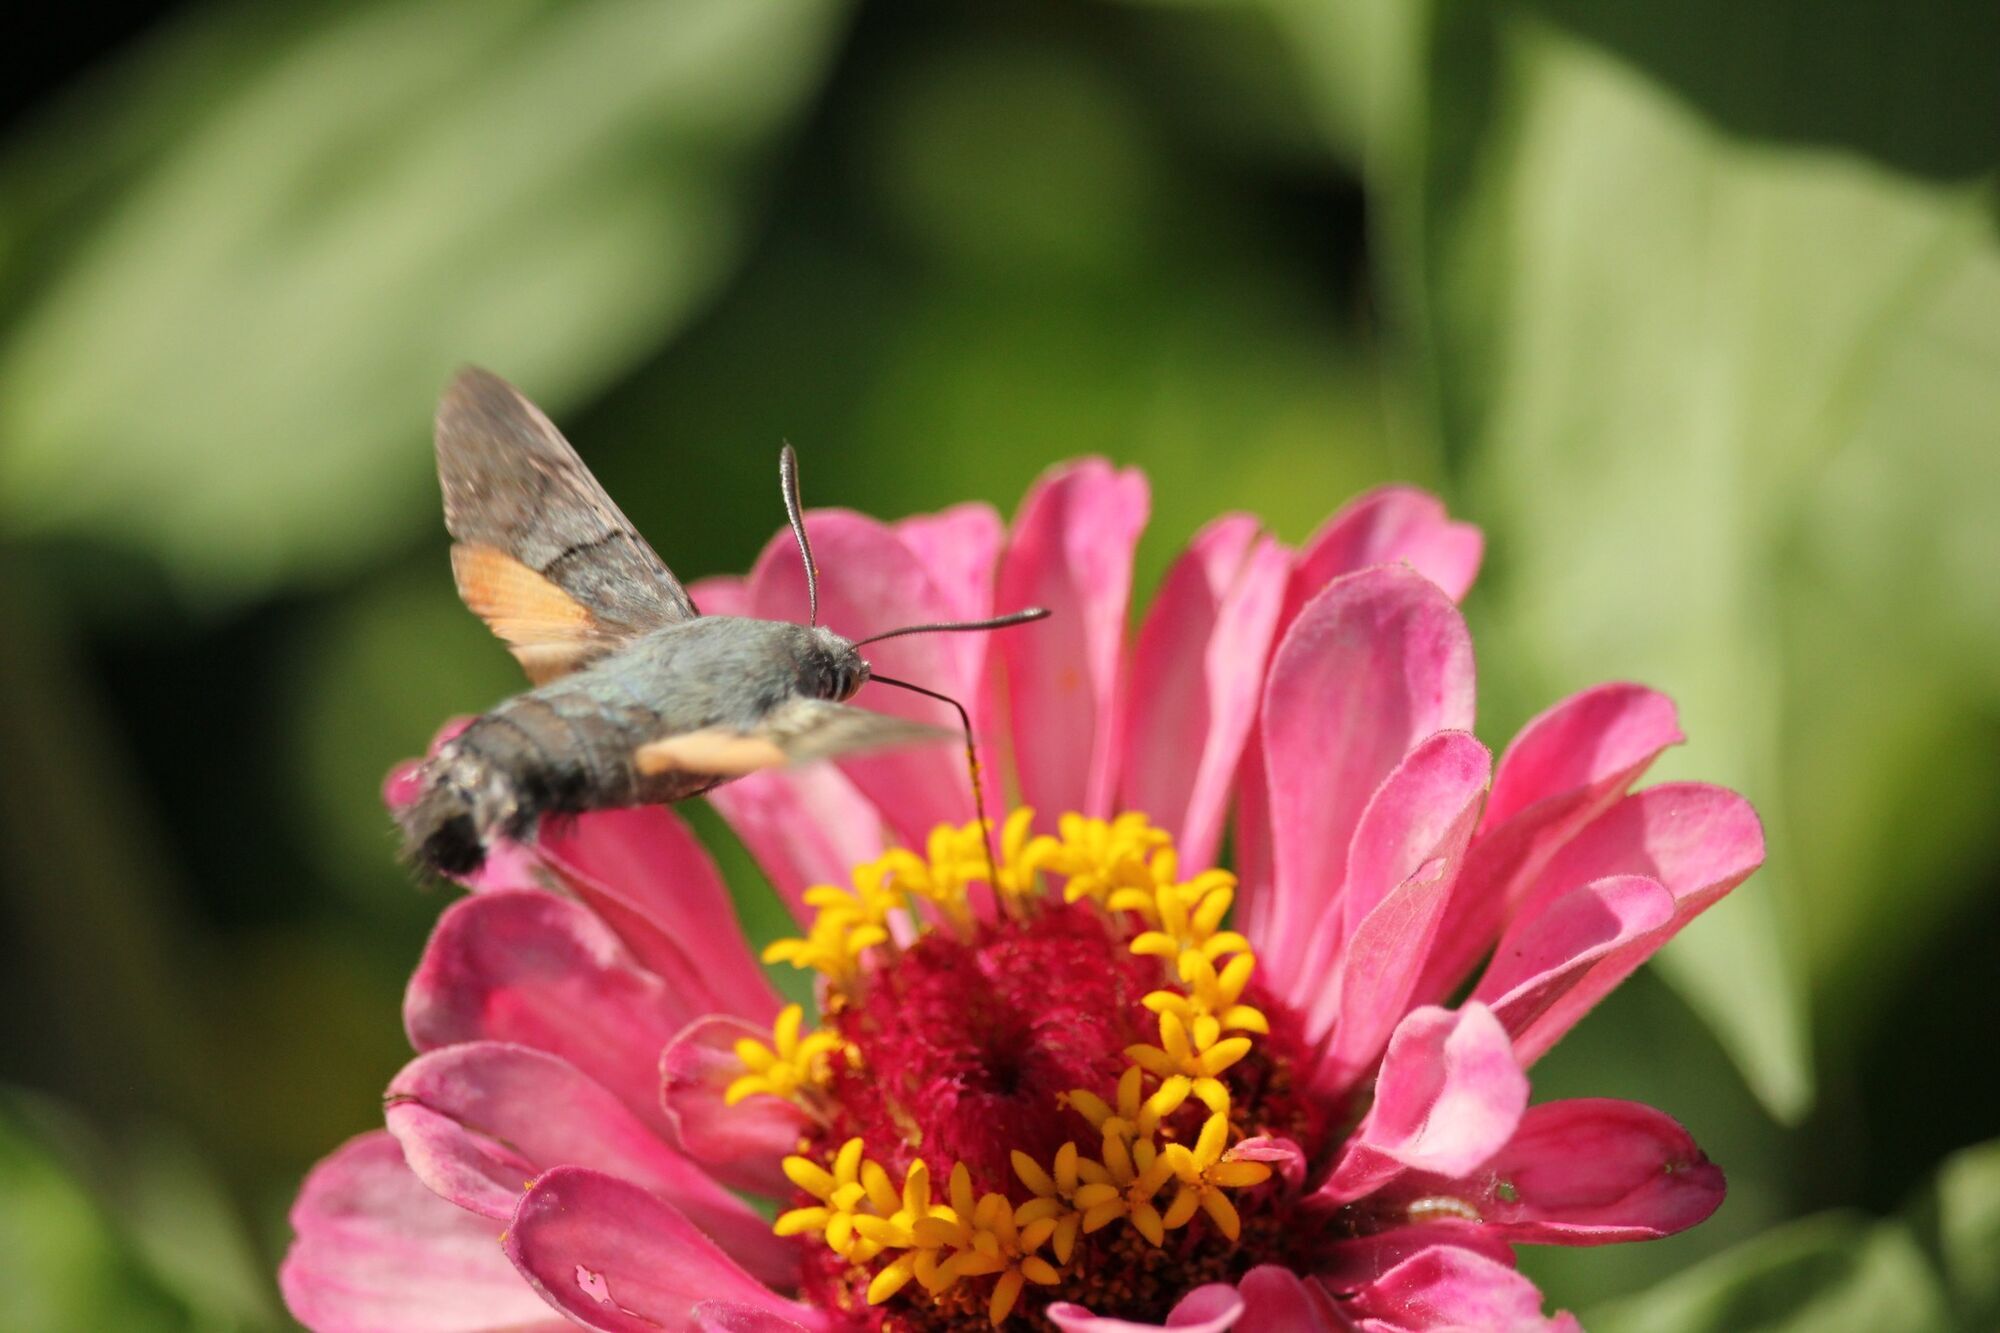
column 1044, row 1102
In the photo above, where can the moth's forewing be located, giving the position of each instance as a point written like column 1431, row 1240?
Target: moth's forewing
column 515, row 491
column 795, row 732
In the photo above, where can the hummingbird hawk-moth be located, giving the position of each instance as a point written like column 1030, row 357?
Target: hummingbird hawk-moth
column 638, row 698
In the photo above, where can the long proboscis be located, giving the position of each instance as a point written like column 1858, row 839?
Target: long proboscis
column 1012, row 618
column 972, row 768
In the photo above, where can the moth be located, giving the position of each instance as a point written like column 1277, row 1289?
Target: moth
column 637, row 697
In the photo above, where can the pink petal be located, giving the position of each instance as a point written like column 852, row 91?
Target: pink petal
column 1071, row 551
column 1563, row 770
column 541, row 971
column 1609, row 732
column 1449, row 1096
column 1277, row 1298
column 1373, row 937
column 1697, row 840
column 614, row 1257
column 644, row 873
column 729, row 1317
column 1206, row 1309
column 1349, row 1265
column 870, row 581
column 1389, row 524
column 1196, row 677
column 376, row 1252
column 1285, row 1158
column 1384, row 526
column 1447, row 1287
column 741, row 1144
column 1541, row 957
column 1375, row 663
column 1592, row 1171
column 477, row 1121
column 722, row 595
column 960, row 547
column 804, row 826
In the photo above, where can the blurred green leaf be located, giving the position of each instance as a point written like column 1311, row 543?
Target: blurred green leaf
column 233, row 364
column 1840, row 1271
column 1962, row 1217
column 1653, row 344
column 1830, row 1274
column 137, row 1237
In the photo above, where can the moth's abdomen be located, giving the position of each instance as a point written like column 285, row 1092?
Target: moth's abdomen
column 549, row 752
column 439, row 830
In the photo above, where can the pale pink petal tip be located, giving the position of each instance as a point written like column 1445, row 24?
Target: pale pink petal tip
column 1388, row 525
column 614, row 1257
column 1448, row 1287
column 1449, row 1096
column 741, row 1144
column 1207, row 1309
column 376, row 1252
column 478, row 1121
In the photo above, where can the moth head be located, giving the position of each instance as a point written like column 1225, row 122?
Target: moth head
column 837, row 666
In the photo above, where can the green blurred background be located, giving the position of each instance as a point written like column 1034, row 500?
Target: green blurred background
column 1696, row 308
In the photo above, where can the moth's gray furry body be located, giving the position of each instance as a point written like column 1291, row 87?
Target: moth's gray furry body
column 570, row 745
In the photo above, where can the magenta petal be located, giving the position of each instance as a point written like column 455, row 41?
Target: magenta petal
column 477, row 1121
column 541, row 971
column 1071, row 551
column 645, row 874
column 1349, row 1265
column 1373, row 938
column 870, row 581
column 1392, row 523
column 1543, row 955
column 1447, row 1287
column 1417, row 827
column 804, row 826
column 1375, row 663
column 1592, row 1171
column 1277, row 1298
column 1197, row 673
column 1697, row 840
column 741, row 1144
column 1449, row 1096
column 1207, row 1309
column 376, row 1252
column 1564, row 769
column 614, row 1257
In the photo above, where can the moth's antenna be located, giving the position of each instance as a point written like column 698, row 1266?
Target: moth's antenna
column 1026, row 617
column 972, row 767
column 788, row 481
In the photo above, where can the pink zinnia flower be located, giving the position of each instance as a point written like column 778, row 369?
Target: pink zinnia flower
column 1075, row 1097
